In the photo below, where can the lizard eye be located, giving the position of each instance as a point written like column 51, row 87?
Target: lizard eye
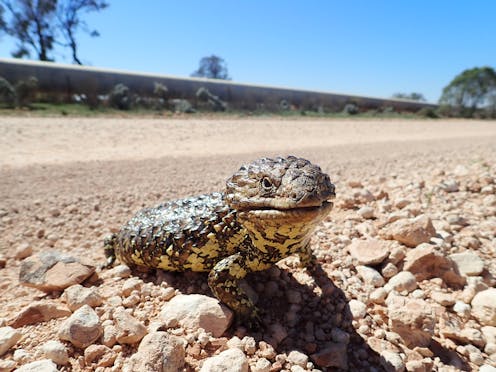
column 266, row 184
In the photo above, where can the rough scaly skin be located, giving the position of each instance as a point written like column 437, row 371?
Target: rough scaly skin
column 268, row 211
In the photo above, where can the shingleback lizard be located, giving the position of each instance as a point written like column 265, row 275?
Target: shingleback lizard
column 267, row 212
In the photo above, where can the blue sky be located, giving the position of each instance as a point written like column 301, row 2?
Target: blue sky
column 373, row 48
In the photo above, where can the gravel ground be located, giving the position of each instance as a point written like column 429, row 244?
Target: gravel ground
column 66, row 183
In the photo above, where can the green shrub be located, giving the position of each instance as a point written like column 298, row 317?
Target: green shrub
column 428, row 112
column 350, row 109
column 26, row 91
column 7, row 93
column 120, row 97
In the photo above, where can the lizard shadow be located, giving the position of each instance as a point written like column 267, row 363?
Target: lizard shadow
column 312, row 317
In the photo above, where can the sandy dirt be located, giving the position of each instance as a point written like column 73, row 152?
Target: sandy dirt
column 25, row 141
column 65, row 183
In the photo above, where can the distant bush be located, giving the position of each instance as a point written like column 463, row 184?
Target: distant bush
column 428, row 112
column 284, row 105
column 182, row 106
column 120, row 97
column 7, row 93
column 160, row 90
column 26, row 91
column 350, row 109
column 214, row 102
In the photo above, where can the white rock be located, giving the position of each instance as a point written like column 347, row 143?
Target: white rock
column 8, row 338
column 366, row 212
column 231, row 360
column 370, row 276
column 484, row 307
column 262, row 365
column 468, row 263
column 158, row 351
column 358, row 309
column 56, row 351
column 378, row 295
column 20, row 355
column 389, row 270
column 369, row 252
column 487, row 368
column 461, row 308
column 391, row 359
column 7, row 365
column 82, row 328
column 198, row 311
column 403, row 281
column 298, row 358
column 45, row 365
column 24, row 250
column 77, row 296
column 412, row 319
column 129, row 329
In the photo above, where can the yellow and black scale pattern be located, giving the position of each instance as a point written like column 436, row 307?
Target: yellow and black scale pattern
column 267, row 213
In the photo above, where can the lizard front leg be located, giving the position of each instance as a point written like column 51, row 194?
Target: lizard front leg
column 307, row 258
column 224, row 279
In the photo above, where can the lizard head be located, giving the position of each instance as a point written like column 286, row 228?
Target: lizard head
column 283, row 188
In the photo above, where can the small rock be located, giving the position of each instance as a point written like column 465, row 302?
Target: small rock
column 23, row 250
column 3, row 261
column 442, row 298
column 53, row 271
column 130, row 285
column 378, row 295
column 426, row 263
column 450, row 185
column 484, row 307
column 392, row 361
column 39, row 311
column 7, row 365
column 262, row 365
column 278, row 333
column 229, row 360
column 56, row 351
column 461, row 308
column 487, row 368
column 411, row 232
column 298, row 358
column 109, row 336
column 369, row 252
column 20, row 355
column 370, row 276
column 100, row 355
column 129, row 329
column 389, row 270
column 334, row 355
column 198, row 311
column 358, row 309
column 119, row 271
column 8, row 338
column 468, row 263
column 77, row 296
column 45, row 365
column 403, row 281
column 366, row 212
column 82, row 328
column 413, row 320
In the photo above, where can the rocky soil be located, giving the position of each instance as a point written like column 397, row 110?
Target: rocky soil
column 405, row 278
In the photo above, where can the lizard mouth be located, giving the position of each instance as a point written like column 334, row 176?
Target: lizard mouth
column 300, row 214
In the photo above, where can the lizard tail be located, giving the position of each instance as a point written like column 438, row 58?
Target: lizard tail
column 109, row 249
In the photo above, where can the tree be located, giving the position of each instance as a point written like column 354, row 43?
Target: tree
column 212, row 67
column 470, row 90
column 40, row 25
column 69, row 17
column 411, row 96
column 32, row 25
